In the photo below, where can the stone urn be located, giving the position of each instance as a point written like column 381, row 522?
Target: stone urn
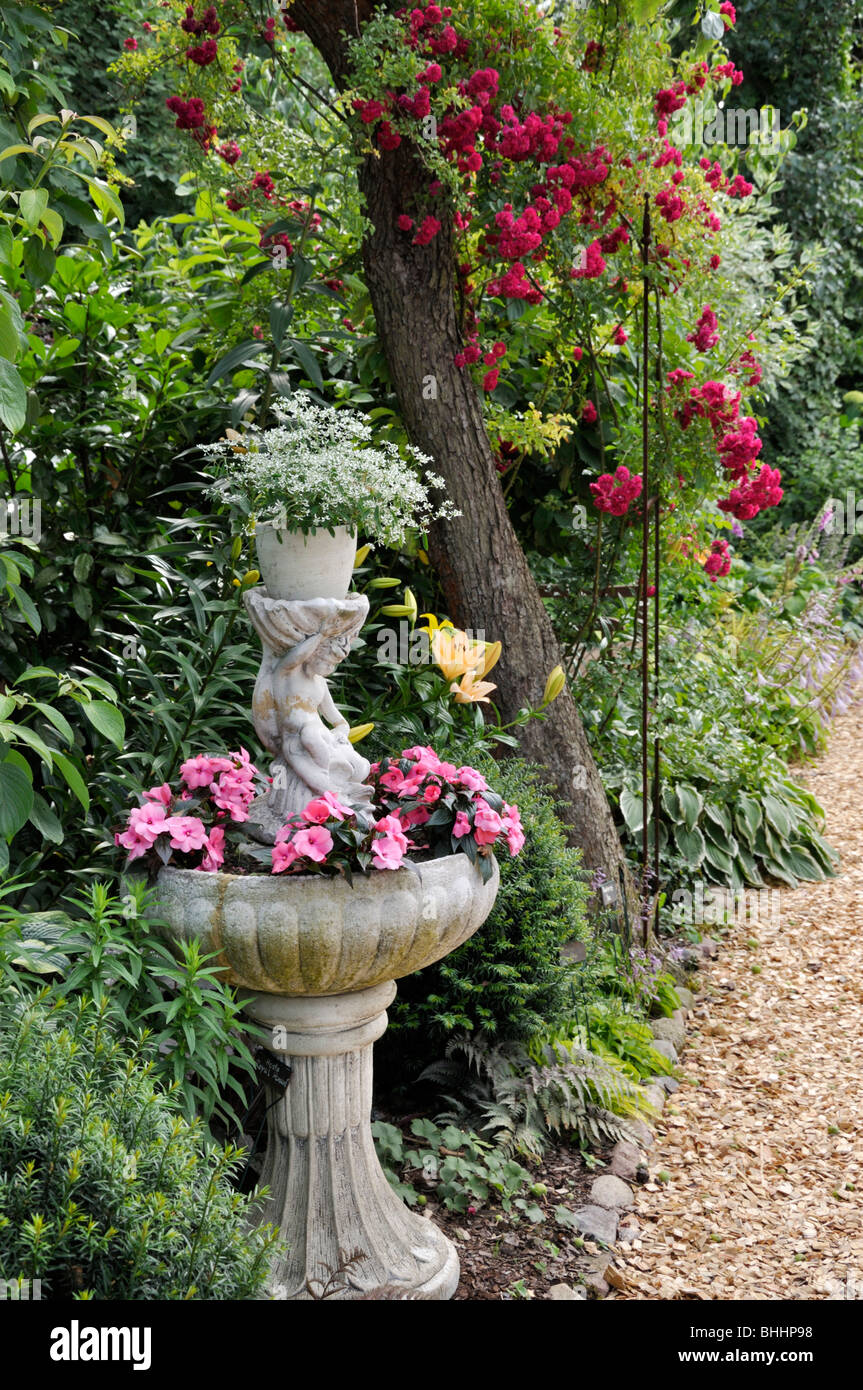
column 321, row 958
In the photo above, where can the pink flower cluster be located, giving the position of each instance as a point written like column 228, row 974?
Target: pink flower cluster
column 615, row 492
column 754, row 495
column 735, row 438
column 227, row 783
column 718, row 562
column 705, row 335
column 420, row 781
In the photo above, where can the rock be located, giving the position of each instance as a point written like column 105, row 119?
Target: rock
column 666, row 1050
column 628, row 1232
column 686, row 997
column 639, row 1133
column 668, row 1083
column 669, row 1030
column 559, row 1292
column 625, row 1161
column 610, row 1191
column 596, row 1286
column 655, row 1097
column 597, row 1223
column 708, row 948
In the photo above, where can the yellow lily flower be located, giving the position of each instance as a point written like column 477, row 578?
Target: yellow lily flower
column 455, row 654
column 470, row 691
column 492, row 656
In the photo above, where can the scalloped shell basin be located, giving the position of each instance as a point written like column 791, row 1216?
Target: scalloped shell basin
column 311, row 935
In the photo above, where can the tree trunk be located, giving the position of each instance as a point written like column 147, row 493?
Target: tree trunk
column 481, row 565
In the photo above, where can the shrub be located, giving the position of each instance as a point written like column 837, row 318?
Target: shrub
column 106, row 1191
column 508, row 980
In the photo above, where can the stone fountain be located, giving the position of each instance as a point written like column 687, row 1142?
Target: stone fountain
column 320, row 958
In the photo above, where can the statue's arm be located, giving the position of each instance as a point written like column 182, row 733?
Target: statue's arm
column 327, row 708
column 295, row 656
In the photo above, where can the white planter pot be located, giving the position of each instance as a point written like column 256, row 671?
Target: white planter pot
column 303, row 565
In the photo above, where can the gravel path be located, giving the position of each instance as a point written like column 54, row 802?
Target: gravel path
column 757, row 1169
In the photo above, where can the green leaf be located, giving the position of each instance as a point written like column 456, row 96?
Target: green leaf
column 691, row 844
column 8, row 335
column 778, row 816
column 16, row 799
column 73, row 778
column 308, row 362
column 60, row 722
column 719, row 858
column 11, row 151
column 32, row 202
column 749, row 811
column 106, row 200
column 13, row 397
column 691, row 803
column 108, row 720
column 27, row 607
column 237, row 357
column 632, row 809
column 45, row 821
column 719, row 815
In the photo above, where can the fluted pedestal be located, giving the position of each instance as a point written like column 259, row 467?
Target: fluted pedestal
column 328, row 1192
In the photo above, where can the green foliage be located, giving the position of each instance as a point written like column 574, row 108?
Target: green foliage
column 461, row 1167
column 106, row 948
column 106, row 1191
column 525, row 1097
column 509, row 980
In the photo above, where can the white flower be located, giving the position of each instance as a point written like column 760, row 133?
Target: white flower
column 319, row 468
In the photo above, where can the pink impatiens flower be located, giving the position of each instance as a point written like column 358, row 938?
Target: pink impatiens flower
column 201, row 770
column 284, row 854
column 324, row 808
column 187, row 832
column 161, row 794
column 513, row 829
column 148, row 821
column 487, row 824
column 134, row 843
column 462, row 826
column 214, row 850
column 314, row 843
column 470, row 778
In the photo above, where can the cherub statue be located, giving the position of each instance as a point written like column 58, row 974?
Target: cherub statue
column 304, row 640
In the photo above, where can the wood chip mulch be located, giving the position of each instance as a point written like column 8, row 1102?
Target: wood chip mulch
column 757, row 1168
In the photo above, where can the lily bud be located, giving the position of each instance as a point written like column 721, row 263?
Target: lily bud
column 362, row 554
column 553, row 686
column 361, row 730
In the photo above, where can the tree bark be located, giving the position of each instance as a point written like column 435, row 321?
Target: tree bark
column 482, row 568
